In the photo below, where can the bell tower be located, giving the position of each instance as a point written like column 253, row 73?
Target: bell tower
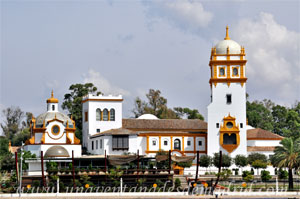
column 227, row 110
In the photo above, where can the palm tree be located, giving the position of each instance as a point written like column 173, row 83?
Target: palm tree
column 288, row 155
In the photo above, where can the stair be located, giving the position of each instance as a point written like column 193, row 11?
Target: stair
column 182, row 178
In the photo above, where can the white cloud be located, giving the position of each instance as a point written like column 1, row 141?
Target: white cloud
column 53, row 84
column 273, row 56
column 103, row 84
column 187, row 14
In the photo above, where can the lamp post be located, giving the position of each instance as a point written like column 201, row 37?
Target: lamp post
column 21, row 172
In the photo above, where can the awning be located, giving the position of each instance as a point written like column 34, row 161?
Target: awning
column 121, row 159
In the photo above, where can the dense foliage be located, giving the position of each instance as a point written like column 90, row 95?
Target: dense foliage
column 157, row 105
column 73, row 103
column 226, row 160
column 279, row 119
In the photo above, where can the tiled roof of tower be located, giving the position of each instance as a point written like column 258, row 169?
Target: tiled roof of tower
column 165, row 124
column 260, row 134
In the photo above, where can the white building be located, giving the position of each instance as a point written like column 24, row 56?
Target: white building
column 226, row 129
column 105, row 131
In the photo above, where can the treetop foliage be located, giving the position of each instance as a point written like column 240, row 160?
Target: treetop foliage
column 279, row 119
column 73, row 102
column 157, row 105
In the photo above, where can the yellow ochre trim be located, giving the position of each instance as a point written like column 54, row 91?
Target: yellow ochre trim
column 227, row 35
column 159, row 141
column 182, row 143
column 147, row 143
column 225, row 130
column 53, row 131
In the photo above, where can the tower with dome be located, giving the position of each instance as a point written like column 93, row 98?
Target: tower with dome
column 53, row 133
column 227, row 110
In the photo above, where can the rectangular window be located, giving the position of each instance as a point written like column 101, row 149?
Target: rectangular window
column 120, row 142
column 200, row 143
column 86, row 116
column 228, row 99
column 217, row 125
column 100, row 144
column 98, row 130
column 96, row 144
column 241, row 125
column 154, row 142
column 166, row 143
column 189, row 143
column 92, row 145
column 53, row 108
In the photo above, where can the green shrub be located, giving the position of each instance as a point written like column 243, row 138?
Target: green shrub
column 36, row 183
column 247, row 176
column 177, row 183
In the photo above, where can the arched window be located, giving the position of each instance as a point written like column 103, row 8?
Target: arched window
column 222, row 71
column 177, row 144
column 98, row 114
column 229, row 139
column 235, row 72
column 112, row 114
column 105, row 115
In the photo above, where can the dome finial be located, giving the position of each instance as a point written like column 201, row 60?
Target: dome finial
column 227, row 35
column 52, row 99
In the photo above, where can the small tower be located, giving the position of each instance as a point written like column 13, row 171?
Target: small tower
column 99, row 114
column 52, row 104
column 227, row 110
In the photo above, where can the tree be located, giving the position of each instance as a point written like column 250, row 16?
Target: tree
column 288, row 156
column 257, row 156
column 259, row 164
column 156, row 105
column 189, row 113
column 240, row 161
column 13, row 117
column 292, row 128
column 258, row 115
column 6, row 158
column 226, row 160
column 247, row 176
column 21, row 137
column 279, row 114
column 265, row 176
column 205, row 161
column 73, row 103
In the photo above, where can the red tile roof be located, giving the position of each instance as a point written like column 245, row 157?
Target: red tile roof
column 260, row 134
column 260, row 148
column 165, row 124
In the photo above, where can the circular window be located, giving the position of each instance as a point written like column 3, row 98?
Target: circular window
column 55, row 130
column 229, row 125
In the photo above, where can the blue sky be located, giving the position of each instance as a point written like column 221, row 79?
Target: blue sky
column 129, row 47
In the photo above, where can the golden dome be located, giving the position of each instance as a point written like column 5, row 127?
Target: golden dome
column 52, row 99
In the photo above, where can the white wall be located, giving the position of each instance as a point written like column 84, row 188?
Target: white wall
column 263, row 142
column 36, row 149
column 218, row 109
column 60, row 138
column 90, row 127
